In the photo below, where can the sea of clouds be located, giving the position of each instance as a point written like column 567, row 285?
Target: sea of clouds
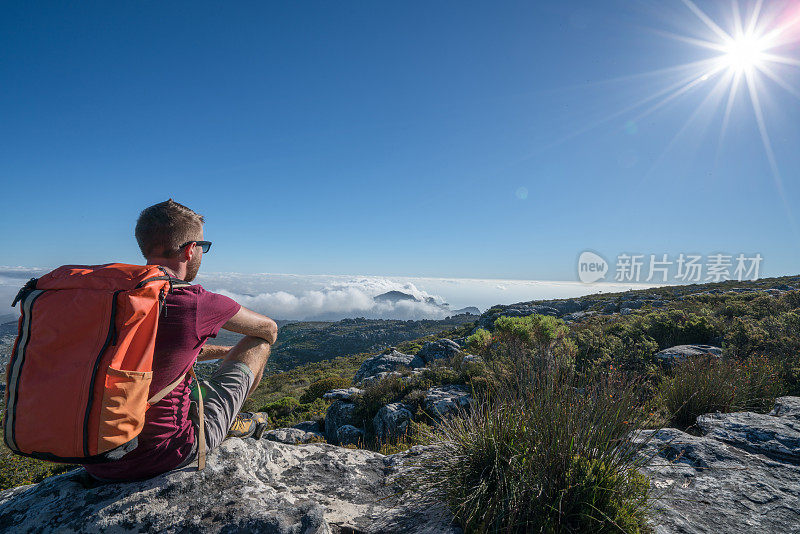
column 333, row 297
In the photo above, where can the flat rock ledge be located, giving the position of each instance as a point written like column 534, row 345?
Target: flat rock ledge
column 247, row 486
column 742, row 475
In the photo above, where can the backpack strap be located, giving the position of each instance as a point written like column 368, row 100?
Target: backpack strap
column 164, row 392
column 201, row 439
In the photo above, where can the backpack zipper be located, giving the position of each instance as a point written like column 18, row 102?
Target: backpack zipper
column 112, row 335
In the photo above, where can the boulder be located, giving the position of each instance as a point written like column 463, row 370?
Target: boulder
column 471, row 358
column 678, row 353
column 579, row 316
column 342, row 394
column 741, row 476
column 776, row 437
column 309, row 426
column 339, row 413
column 392, row 421
column 437, row 350
column 788, row 407
column 247, row 486
column 388, row 361
column 445, row 401
column 293, row 436
column 349, row 435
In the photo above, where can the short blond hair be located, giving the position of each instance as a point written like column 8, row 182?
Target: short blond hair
column 162, row 228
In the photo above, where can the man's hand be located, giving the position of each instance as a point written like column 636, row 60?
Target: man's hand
column 254, row 324
column 212, row 352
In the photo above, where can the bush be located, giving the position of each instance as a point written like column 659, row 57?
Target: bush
column 317, row 389
column 547, row 454
column 701, row 385
column 18, row 470
column 480, row 341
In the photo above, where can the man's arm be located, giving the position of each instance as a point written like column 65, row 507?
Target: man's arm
column 212, row 352
column 254, row 324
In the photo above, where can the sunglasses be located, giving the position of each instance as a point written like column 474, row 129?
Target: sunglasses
column 205, row 245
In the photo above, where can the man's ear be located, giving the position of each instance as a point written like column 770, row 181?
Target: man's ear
column 187, row 252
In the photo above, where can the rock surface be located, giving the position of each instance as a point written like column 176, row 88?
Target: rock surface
column 742, row 476
column 392, row 421
column 339, row 414
column 247, row 486
column 388, row 361
column 342, row 394
column 678, row 353
column 293, row 436
column 350, row 435
column 437, row 350
column 445, row 401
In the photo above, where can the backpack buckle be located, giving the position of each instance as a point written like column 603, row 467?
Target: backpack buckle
column 29, row 286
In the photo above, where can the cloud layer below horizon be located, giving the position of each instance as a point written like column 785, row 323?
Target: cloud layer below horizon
column 333, row 297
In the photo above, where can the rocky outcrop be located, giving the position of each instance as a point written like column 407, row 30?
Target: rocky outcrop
column 392, row 421
column 350, row 435
column 441, row 349
column 390, row 360
column 740, row 476
column 247, row 486
column 673, row 355
column 342, row 394
column 293, row 436
column 339, row 414
column 446, row 401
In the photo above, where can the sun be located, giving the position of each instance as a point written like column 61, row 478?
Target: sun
column 745, row 53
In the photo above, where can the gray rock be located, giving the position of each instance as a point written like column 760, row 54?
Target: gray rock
column 702, row 484
column 626, row 311
column 342, row 394
column 445, row 401
column 349, row 435
column 388, row 361
column 391, row 421
column 579, row 316
column 309, row 426
column 774, row 437
column 339, row 413
column 292, row 436
column 247, row 486
column 787, row 407
column 471, row 358
column 440, row 349
column 678, row 353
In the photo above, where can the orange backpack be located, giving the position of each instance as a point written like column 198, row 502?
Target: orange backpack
column 78, row 383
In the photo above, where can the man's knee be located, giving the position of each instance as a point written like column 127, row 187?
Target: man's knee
column 252, row 351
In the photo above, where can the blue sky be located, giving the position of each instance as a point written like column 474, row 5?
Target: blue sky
column 429, row 139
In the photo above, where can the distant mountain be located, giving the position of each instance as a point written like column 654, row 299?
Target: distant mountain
column 398, row 296
column 394, row 296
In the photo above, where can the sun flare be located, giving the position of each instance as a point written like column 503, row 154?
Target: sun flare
column 745, row 53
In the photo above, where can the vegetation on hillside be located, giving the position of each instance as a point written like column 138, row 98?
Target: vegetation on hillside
column 545, row 447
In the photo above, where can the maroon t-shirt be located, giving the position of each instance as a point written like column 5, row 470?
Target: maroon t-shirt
column 192, row 315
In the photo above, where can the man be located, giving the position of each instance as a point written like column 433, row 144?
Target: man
column 171, row 235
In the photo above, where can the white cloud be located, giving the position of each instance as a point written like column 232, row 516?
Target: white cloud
column 332, row 297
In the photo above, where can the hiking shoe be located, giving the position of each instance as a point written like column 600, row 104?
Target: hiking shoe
column 248, row 424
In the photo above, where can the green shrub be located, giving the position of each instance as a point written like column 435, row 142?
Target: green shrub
column 317, row 389
column 547, row 454
column 705, row 385
column 19, row 471
column 480, row 341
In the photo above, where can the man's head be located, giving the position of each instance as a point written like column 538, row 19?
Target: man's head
column 161, row 230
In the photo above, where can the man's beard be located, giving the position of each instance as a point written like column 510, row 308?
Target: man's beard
column 192, row 267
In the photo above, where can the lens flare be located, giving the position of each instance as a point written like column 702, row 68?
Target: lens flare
column 744, row 53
